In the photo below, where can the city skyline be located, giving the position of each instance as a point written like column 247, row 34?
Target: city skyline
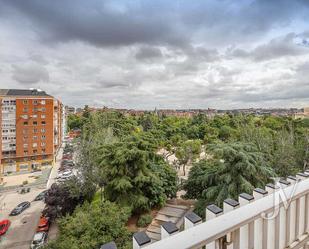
column 143, row 54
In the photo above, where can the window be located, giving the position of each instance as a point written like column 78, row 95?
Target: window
column 43, row 102
column 35, row 109
column 43, row 123
column 26, row 123
column 25, row 152
column 35, row 137
column 43, row 137
column 25, row 131
column 5, row 131
column 34, row 116
column 35, row 102
column 35, row 151
column 43, row 144
column 25, row 102
column 25, row 138
column 43, row 151
column 12, row 130
column 42, row 130
column 43, row 116
column 25, row 145
column 43, row 109
column 25, row 109
column 35, row 123
column 34, row 145
column 23, row 166
column 35, row 130
column 24, row 116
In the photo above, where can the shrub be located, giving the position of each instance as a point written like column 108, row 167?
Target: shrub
column 25, row 182
column 144, row 220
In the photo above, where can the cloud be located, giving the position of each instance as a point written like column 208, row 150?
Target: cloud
column 276, row 48
column 165, row 54
column 100, row 23
column 177, row 23
column 148, row 53
column 29, row 73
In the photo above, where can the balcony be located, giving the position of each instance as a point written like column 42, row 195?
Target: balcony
column 274, row 217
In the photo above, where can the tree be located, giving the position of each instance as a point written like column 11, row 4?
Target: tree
column 93, row 225
column 60, row 201
column 75, row 122
column 86, row 112
column 187, row 152
column 232, row 169
column 134, row 175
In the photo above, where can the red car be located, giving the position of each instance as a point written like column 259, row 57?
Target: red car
column 43, row 224
column 4, row 226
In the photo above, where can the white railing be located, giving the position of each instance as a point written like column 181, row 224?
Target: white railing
column 276, row 217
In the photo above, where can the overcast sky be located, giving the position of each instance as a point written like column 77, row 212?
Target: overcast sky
column 158, row 53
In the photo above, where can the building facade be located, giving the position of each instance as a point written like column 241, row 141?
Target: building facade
column 31, row 129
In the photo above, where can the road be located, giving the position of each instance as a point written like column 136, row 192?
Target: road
column 23, row 226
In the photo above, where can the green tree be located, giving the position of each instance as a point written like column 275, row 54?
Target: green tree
column 93, row 225
column 232, row 169
column 134, row 175
column 187, row 152
column 75, row 122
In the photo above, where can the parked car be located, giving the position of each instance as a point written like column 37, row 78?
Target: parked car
column 43, row 225
column 67, row 157
column 40, row 196
column 66, row 162
column 20, row 208
column 4, row 226
column 65, row 173
column 38, row 240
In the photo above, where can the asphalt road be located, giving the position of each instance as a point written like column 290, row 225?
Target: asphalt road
column 23, row 226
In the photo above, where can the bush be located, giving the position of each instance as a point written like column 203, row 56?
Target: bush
column 25, row 182
column 144, row 220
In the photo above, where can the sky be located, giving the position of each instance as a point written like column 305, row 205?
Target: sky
column 145, row 54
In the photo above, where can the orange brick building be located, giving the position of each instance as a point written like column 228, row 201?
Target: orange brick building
column 32, row 125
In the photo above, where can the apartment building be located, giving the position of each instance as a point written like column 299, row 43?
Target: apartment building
column 31, row 129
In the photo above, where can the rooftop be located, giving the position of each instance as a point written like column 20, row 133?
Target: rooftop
column 22, row 92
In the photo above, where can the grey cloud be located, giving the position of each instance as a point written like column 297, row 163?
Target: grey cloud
column 38, row 59
column 148, row 53
column 177, row 23
column 111, row 84
column 170, row 54
column 29, row 73
column 278, row 48
column 97, row 23
column 275, row 48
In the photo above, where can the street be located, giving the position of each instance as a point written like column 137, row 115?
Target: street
column 23, row 226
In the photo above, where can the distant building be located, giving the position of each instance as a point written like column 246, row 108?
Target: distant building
column 70, row 109
column 32, row 127
column 304, row 113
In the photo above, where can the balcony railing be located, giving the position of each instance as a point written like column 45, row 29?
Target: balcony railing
column 276, row 217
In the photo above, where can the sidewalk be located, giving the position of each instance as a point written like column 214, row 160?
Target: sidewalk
column 54, row 172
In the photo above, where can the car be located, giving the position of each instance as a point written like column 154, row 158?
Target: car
column 4, row 226
column 40, row 196
column 38, row 240
column 43, row 225
column 67, row 157
column 20, row 208
column 67, row 162
column 65, row 174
